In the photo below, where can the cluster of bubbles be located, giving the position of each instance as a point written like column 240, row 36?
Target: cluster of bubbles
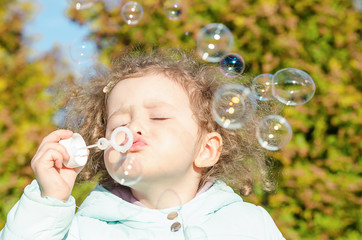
column 234, row 105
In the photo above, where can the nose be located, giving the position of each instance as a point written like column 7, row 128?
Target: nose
column 136, row 127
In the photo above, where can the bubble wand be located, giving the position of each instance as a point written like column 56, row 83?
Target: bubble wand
column 77, row 147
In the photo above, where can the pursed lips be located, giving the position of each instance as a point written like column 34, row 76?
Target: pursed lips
column 138, row 144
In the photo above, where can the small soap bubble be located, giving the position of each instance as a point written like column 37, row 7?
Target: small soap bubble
column 83, row 50
column 232, row 65
column 214, row 41
column 292, row 86
column 262, row 87
column 128, row 171
column 132, row 13
column 82, row 4
column 233, row 105
column 194, row 232
column 173, row 9
column 273, row 132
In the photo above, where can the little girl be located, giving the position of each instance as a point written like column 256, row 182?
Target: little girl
column 164, row 98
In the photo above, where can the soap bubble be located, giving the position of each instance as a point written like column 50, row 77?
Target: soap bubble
column 132, row 13
column 262, row 86
column 293, row 86
column 273, row 132
column 128, row 171
column 83, row 50
column 173, row 9
column 195, row 233
column 232, row 65
column 214, row 41
column 233, row 105
column 82, row 4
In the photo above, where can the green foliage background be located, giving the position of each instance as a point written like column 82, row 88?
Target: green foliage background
column 319, row 193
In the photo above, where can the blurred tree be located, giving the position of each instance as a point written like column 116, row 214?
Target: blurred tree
column 26, row 102
column 320, row 184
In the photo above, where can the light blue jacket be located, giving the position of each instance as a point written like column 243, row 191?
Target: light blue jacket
column 216, row 214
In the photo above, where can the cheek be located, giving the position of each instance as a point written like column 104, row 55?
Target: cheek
column 179, row 142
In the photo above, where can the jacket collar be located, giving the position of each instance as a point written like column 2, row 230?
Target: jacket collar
column 103, row 205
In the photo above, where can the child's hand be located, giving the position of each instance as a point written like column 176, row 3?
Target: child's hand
column 54, row 178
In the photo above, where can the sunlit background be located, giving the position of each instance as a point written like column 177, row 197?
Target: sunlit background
column 304, row 56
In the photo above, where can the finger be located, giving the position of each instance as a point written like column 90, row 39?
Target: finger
column 48, row 159
column 55, row 146
column 57, row 135
column 56, row 157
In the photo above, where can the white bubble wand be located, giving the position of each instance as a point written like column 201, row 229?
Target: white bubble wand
column 77, row 147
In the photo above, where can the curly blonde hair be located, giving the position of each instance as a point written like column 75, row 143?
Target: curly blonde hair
column 242, row 160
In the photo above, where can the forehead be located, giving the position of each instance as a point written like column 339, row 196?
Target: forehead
column 148, row 89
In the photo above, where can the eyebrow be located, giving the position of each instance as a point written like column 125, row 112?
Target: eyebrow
column 156, row 103
column 148, row 104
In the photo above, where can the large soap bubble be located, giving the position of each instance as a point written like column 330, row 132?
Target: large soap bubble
column 214, row 41
column 292, row 86
column 132, row 13
column 233, row 105
column 273, row 132
column 128, row 171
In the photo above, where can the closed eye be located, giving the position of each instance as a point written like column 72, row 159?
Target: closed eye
column 159, row 118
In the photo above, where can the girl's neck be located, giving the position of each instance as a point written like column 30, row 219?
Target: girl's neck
column 166, row 194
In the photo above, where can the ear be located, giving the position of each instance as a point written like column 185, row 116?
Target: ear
column 209, row 151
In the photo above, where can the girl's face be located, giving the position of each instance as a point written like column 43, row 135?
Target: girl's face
column 157, row 111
